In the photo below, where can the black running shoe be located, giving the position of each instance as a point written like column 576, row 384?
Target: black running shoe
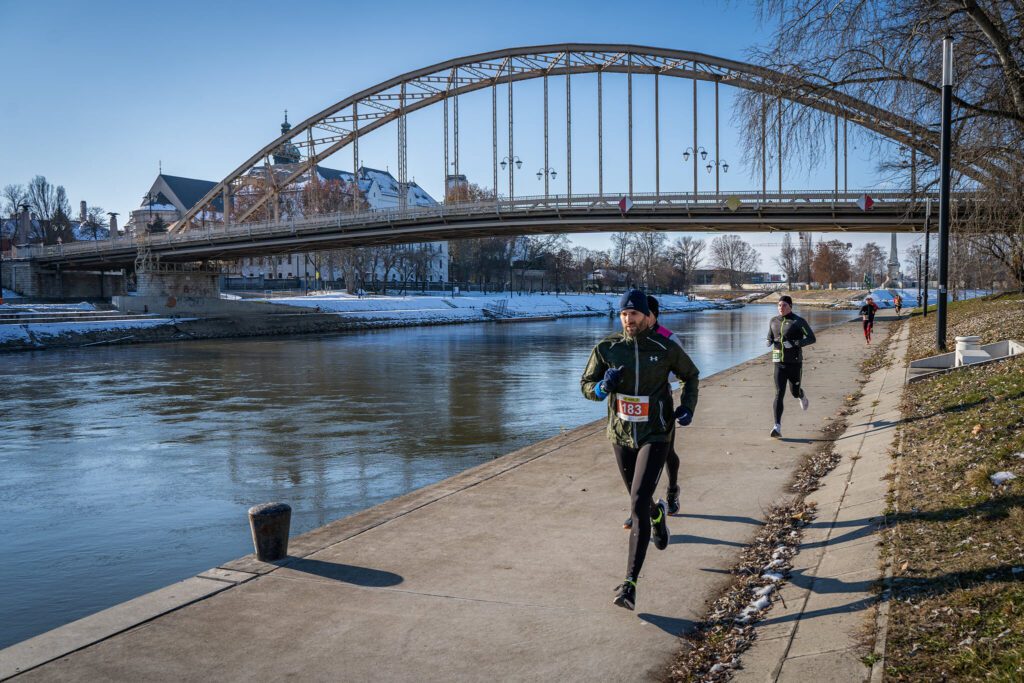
column 628, row 524
column 627, row 595
column 659, row 526
column 673, row 500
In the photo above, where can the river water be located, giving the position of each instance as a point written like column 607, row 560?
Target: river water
column 127, row 468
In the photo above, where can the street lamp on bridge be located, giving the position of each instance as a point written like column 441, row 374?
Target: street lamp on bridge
column 507, row 162
column 546, row 173
column 700, row 150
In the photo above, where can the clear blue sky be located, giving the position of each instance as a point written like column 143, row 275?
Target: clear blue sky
column 99, row 93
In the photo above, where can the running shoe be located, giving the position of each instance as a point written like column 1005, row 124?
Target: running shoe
column 659, row 526
column 804, row 401
column 673, row 499
column 628, row 524
column 627, row 595
column 776, row 432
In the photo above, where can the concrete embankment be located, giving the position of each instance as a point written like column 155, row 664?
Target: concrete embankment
column 503, row 572
column 310, row 315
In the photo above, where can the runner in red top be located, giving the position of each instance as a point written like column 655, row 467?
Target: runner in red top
column 867, row 315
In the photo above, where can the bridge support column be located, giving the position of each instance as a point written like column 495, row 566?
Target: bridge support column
column 172, row 288
column 32, row 280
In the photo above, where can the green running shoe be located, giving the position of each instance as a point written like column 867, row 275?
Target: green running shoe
column 659, row 526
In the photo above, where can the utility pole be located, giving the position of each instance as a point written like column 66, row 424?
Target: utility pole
column 947, row 111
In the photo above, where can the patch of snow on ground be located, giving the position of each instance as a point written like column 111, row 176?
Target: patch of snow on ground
column 1000, row 478
column 8, row 294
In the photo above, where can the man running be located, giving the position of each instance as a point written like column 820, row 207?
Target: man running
column 640, row 418
column 897, row 301
column 788, row 333
column 672, row 460
column 867, row 316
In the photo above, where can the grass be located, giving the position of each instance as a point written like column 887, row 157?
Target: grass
column 993, row 318
column 955, row 540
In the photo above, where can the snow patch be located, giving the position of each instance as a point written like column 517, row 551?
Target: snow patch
column 1000, row 478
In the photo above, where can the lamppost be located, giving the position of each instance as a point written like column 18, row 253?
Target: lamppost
column 546, row 172
column 508, row 162
column 944, row 164
column 715, row 164
column 703, row 153
column 150, row 199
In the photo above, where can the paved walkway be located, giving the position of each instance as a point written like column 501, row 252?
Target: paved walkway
column 825, row 623
column 504, row 572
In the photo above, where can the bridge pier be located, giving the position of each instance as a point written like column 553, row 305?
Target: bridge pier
column 33, row 280
column 173, row 289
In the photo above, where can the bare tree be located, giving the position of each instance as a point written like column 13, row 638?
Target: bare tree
column 789, row 260
column 915, row 261
column 42, row 197
column 831, row 263
column 870, row 264
column 647, row 254
column 13, row 196
column 734, row 259
column 685, row 254
column 95, row 224
column 886, row 53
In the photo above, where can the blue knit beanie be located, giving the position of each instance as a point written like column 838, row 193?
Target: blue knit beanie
column 636, row 300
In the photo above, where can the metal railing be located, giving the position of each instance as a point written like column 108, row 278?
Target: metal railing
column 641, row 202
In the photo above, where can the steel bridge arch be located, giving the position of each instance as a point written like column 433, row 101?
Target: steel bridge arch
column 331, row 129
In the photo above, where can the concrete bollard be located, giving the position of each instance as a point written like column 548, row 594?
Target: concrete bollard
column 269, row 523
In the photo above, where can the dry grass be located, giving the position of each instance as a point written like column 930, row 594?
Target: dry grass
column 956, row 540
column 992, row 318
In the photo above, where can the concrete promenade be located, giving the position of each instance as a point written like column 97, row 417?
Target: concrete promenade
column 504, row 572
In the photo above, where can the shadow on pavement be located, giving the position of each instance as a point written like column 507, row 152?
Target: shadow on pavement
column 358, row 576
column 723, row 518
column 702, row 540
column 672, row 625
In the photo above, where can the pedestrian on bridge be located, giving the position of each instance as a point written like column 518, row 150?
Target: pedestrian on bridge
column 631, row 370
column 788, row 333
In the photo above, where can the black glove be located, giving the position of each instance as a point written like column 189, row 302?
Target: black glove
column 790, row 344
column 769, row 342
column 683, row 416
column 612, row 377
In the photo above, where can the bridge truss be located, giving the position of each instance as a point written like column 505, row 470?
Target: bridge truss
column 237, row 199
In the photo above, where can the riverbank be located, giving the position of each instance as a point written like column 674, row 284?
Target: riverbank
column 502, row 572
column 956, row 515
column 322, row 314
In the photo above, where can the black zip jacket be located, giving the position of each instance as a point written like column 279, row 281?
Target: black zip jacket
column 789, row 328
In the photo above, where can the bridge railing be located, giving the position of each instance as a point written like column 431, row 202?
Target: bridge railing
column 647, row 201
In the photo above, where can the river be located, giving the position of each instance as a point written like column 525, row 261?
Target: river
column 127, row 468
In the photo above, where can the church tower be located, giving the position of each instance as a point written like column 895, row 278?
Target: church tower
column 287, row 153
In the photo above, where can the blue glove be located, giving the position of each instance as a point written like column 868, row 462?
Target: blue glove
column 612, row 377
column 683, row 416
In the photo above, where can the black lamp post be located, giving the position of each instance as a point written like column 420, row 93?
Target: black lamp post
column 944, row 182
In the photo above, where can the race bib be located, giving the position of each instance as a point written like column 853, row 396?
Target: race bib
column 777, row 354
column 632, row 408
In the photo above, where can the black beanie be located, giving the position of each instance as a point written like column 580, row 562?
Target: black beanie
column 636, row 300
column 652, row 304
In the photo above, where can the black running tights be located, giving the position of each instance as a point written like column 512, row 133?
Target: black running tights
column 786, row 373
column 640, row 469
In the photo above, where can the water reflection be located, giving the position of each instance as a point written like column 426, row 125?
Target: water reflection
column 128, row 468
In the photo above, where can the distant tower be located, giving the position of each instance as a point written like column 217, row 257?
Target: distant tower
column 287, row 153
column 894, row 262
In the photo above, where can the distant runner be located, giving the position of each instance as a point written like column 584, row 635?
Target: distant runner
column 788, row 333
column 867, row 316
column 898, row 303
column 640, row 422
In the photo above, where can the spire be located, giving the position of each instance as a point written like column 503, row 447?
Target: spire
column 285, row 127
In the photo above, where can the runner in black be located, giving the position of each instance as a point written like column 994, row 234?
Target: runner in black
column 640, row 419
column 788, row 333
column 672, row 460
column 867, row 316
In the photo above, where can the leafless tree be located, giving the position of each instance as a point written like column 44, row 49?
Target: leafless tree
column 734, row 258
column 685, row 254
column 887, row 53
column 788, row 260
column 647, row 255
column 870, row 264
column 13, row 196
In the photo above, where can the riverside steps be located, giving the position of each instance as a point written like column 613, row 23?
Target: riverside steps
column 503, row 572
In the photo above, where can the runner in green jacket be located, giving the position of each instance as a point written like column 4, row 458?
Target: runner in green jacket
column 632, row 370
